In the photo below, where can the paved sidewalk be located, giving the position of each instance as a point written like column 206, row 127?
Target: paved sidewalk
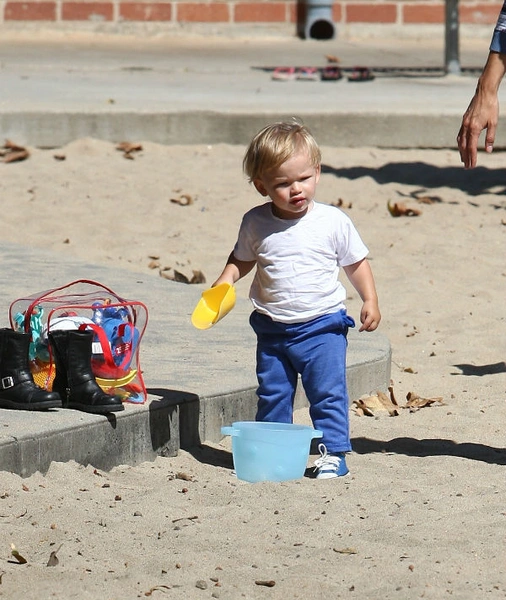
column 218, row 88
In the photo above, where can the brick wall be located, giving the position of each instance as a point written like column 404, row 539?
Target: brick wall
column 242, row 12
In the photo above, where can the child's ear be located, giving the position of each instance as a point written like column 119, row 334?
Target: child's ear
column 260, row 187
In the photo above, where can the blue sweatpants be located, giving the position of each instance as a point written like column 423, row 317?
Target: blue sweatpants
column 317, row 351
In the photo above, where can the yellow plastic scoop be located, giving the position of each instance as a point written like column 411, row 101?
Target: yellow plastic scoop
column 215, row 303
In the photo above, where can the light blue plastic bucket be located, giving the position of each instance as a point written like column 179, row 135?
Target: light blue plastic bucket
column 270, row 451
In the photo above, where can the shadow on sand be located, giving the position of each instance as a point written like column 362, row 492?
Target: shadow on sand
column 431, row 447
column 473, row 182
column 481, row 370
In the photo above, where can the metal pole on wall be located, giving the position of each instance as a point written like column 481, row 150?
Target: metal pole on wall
column 452, row 59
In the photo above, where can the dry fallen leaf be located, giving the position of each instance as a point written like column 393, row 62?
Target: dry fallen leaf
column 128, row 148
column 398, row 209
column 392, row 395
column 180, row 277
column 21, row 559
column 159, row 588
column 194, row 518
column 345, row 550
column 12, row 152
column 18, row 156
column 12, row 147
column 414, row 402
column 53, row 559
column 367, row 405
column 376, row 403
column 371, row 405
column 183, row 200
column 427, row 199
column 342, row 204
column 198, row 277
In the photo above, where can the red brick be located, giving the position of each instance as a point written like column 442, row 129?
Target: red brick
column 145, row 11
column 423, row 13
column 86, row 11
column 482, row 14
column 337, row 12
column 213, row 12
column 30, row 11
column 260, row 12
column 292, row 12
column 371, row 13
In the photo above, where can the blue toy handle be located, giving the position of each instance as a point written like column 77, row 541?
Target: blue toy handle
column 316, row 433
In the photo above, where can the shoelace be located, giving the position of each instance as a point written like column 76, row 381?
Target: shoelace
column 326, row 459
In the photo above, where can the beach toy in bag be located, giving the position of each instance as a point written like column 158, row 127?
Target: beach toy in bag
column 37, row 347
column 214, row 304
column 270, row 451
column 115, row 343
column 117, row 324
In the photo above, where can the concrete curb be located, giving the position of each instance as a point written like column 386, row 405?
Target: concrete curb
column 352, row 129
column 162, row 426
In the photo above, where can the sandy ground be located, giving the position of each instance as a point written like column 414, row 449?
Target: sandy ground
column 422, row 514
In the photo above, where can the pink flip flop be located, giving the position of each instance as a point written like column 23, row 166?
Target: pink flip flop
column 361, row 74
column 307, row 74
column 331, row 73
column 283, row 74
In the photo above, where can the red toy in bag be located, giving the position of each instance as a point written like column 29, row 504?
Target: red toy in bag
column 118, row 326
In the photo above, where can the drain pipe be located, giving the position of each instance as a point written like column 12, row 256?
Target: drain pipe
column 318, row 24
column 452, row 58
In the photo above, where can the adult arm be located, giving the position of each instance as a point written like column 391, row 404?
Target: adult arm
column 483, row 111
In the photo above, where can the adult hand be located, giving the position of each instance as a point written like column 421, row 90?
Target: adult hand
column 482, row 113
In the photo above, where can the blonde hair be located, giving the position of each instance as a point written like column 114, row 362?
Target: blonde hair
column 275, row 144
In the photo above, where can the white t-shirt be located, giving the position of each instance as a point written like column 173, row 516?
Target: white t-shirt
column 298, row 260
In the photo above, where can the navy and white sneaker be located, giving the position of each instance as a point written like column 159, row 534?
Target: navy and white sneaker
column 329, row 466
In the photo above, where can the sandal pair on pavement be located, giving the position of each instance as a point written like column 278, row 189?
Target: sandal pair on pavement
column 328, row 73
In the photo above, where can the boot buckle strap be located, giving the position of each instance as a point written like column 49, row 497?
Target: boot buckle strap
column 7, row 382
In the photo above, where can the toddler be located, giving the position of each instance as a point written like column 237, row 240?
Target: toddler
column 298, row 246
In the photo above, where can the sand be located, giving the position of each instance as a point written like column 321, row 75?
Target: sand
column 422, row 514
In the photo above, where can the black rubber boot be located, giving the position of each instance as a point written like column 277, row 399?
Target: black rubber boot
column 17, row 388
column 74, row 378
